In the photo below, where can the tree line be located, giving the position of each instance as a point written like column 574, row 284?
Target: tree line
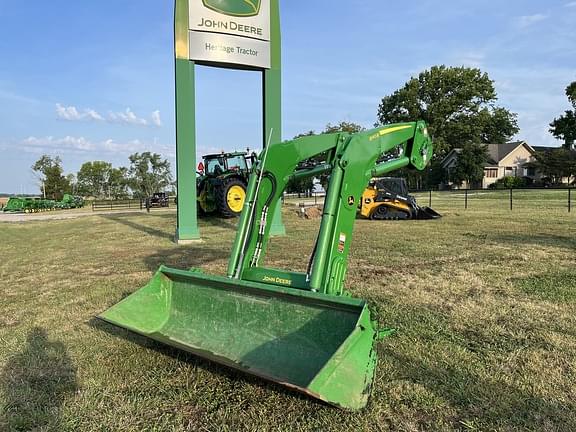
column 146, row 174
column 459, row 104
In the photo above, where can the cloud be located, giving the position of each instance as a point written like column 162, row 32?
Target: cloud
column 570, row 4
column 71, row 113
column 474, row 59
column 156, row 120
column 133, row 146
column 93, row 115
column 81, row 145
column 66, row 144
column 126, row 117
column 528, row 20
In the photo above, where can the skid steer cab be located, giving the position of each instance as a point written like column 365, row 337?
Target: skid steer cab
column 221, row 183
column 303, row 330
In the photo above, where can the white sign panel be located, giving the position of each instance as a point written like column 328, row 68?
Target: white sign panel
column 213, row 47
column 230, row 31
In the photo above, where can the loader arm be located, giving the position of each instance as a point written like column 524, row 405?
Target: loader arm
column 352, row 160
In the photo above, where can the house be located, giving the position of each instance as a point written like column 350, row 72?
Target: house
column 508, row 159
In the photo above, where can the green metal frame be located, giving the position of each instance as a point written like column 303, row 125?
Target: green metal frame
column 187, row 226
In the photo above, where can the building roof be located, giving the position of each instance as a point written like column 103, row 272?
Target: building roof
column 544, row 149
column 450, row 155
column 497, row 152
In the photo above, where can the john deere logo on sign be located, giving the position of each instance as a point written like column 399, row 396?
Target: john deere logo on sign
column 237, row 8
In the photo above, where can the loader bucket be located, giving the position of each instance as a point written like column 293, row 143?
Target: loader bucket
column 320, row 345
column 427, row 213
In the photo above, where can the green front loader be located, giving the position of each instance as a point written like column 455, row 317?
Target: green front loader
column 303, row 330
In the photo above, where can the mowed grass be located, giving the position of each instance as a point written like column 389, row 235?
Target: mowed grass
column 526, row 200
column 483, row 302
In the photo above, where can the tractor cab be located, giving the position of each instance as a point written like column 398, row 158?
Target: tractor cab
column 396, row 185
column 218, row 164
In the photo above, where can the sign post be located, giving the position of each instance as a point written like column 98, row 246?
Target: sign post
column 236, row 34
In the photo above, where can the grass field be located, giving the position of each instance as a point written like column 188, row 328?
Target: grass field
column 484, row 302
column 522, row 199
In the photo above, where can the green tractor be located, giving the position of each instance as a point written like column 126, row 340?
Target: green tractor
column 222, row 181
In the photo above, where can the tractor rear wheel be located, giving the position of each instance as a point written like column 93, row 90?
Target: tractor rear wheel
column 230, row 197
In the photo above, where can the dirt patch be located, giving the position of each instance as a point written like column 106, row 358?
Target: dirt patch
column 310, row 212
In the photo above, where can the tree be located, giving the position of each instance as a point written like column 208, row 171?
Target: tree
column 93, row 179
column 300, row 186
column 457, row 103
column 50, row 173
column 343, row 126
column 118, row 183
column 100, row 180
column 470, row 164
column 555, row 164
column 305, row 134
column 148, row 174
column 564, row 127
column 571, row 93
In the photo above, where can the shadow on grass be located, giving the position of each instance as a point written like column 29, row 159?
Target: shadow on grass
column 215, row 221
column 184, row 258
column 125, row 219
column 529, row 239
column 36, row 382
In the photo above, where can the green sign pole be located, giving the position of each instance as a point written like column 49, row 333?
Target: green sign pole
column 273, row 99
column 187, row 228
column 207, row 52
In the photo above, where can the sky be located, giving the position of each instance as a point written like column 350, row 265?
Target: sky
column 95, row 80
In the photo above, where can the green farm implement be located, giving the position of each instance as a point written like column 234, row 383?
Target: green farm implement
column 303, row 330
column 38, row 205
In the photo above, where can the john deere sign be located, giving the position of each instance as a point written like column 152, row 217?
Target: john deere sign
column 230, row 32
column 236, row 34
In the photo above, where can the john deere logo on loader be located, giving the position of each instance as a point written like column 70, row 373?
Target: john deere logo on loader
column 237, row 8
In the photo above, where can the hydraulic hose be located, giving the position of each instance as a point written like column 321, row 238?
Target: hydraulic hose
column 263, row 219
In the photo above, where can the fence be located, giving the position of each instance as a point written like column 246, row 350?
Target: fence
column 310, row 198
column 118, row 204
column 510, row 199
